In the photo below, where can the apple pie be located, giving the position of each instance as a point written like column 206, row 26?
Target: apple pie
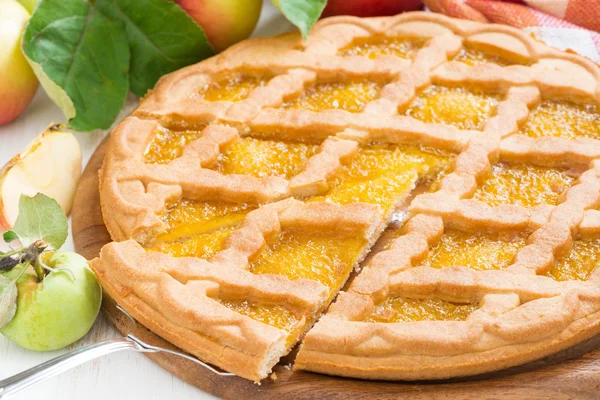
column 244, row 190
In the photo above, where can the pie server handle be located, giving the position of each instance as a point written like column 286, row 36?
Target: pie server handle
column 50, row 368
column 58, row 365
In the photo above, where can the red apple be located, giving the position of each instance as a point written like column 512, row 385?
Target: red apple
column 225, row 22
column 370, row 8
column 18, row 83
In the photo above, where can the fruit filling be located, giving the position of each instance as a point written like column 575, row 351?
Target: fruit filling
column 457, row 106
column 579, row 263
column 479, row 250
column 256, row 157
column 234, row 86
column 350, row 96
column 525, row 185
column 186, row 218
column 167, row 145
column 321, row 257
column 563, row 119
column 270, row 314
column 472, row 56
column 375, row 46
column 382, row 173
column 401, row 309
column 203, row 245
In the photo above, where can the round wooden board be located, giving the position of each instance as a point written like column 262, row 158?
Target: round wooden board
column 573, row 373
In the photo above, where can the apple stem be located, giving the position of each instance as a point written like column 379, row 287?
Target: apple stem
column 49, row 268
column 39, row 271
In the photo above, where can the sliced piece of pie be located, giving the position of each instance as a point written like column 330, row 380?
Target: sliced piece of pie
column 244, row 190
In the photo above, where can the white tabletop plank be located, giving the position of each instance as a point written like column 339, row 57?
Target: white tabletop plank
column 120, row 375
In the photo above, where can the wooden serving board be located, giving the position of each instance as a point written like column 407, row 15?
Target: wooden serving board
column 573, row 373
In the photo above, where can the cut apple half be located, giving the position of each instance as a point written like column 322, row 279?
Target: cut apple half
column 51, row 164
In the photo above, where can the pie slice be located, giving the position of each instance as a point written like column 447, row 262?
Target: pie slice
column 244, row 190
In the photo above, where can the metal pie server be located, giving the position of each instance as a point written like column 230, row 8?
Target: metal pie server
column 50, row 368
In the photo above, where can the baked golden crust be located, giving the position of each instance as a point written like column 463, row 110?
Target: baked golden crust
column 521, row 315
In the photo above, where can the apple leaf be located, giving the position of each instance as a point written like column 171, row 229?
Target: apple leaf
column 162, row 38
column 302, row 13
column 10, row 236
column 81, row 58
column 41, row 217
column 8, row 300
column 88, row 54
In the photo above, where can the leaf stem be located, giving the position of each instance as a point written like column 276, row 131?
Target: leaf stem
column 26, row 265
column 12, row 253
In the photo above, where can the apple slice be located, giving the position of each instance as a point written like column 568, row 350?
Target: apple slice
column 51, row 165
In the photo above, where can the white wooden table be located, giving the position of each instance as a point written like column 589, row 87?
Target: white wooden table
column 120, row 375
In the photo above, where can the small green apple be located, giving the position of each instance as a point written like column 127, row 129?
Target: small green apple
column 58, row 311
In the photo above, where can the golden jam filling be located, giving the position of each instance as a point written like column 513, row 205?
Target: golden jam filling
column 460, row 107
column 525, row 185
column 310, row 255
column 375, row 46
column 563, row 119
column 234, row 86
column 187, row 218
column 472, row 56
column 256, row 157
column 270, row 314
column 401, row 309
column 167, row 145
column 479, row 251
column 203, row 245
column 351, row 96
column 579, row 263
column 380, row 174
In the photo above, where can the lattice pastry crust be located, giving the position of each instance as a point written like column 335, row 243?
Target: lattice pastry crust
column 521, row 314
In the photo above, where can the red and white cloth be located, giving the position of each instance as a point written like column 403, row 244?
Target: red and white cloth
column 564, row 24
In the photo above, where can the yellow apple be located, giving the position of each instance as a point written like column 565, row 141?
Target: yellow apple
column 51, row 165
column 18, row 83
column 225, row 22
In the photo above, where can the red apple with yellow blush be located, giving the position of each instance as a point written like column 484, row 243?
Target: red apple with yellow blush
column 18, row 83
column 225, row 22
column 370, row 8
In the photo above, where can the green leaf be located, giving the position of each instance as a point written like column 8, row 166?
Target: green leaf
column 302, row 13
column 162, row 38
column 8, row 300
column 10, row 236
column 41, row 217
column 81, row 57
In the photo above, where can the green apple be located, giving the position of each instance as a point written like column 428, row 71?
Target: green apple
column 59, row 310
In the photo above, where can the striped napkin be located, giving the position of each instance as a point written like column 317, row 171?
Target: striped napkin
column 564, row 24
